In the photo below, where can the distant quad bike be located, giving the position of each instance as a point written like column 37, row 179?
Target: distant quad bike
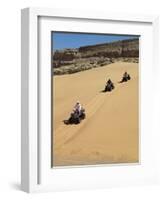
column 109, row 87
column 76, row 117
column 125, row 78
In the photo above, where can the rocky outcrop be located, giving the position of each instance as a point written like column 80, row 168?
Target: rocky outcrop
column 86, row 57
column 124, row 48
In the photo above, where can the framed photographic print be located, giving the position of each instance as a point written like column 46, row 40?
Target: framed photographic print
column 88, row 100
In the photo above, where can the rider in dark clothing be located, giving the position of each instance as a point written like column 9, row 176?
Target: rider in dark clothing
column 109, row 85
column 125, row 75
column 109, row 82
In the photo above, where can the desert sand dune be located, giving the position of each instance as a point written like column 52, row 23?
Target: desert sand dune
column 109, row 134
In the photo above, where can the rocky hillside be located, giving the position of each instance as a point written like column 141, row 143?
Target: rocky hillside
column 69, row 61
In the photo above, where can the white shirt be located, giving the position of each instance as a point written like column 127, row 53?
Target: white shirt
column 77, row 107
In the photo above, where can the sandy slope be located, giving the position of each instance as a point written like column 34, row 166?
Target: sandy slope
column 109, row 134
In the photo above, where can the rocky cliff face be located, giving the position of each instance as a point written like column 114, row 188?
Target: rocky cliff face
column 125, row 48
column 86, row 57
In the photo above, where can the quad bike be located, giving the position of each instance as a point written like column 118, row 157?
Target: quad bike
column 125, row 78
column 109, row 87
column 76, row 117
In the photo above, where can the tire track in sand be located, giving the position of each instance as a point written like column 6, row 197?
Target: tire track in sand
column 62, row 126
column 66, row 132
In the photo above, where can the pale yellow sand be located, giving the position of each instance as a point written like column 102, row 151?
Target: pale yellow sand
column 109, row 134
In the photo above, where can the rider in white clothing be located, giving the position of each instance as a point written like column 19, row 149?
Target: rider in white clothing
column 77, row 107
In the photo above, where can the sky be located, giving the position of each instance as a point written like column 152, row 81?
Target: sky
column 62, row 40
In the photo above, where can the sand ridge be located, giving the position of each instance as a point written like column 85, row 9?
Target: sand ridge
column 109, row 134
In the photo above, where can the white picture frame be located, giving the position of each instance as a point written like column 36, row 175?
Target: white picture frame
column 36, row 172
